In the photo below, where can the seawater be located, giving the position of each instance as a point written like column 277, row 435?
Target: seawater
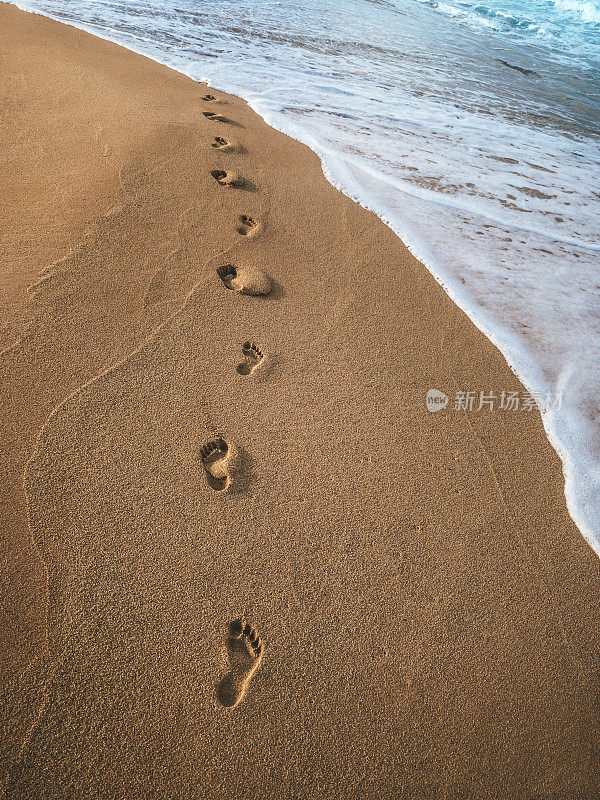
column 472, row 129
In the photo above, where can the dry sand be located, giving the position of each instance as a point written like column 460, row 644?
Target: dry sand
column 428, row 610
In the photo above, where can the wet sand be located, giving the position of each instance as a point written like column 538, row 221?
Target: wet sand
column 240, row 557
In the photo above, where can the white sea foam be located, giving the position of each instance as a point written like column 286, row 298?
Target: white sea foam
column 471, row 128
column 587, row 10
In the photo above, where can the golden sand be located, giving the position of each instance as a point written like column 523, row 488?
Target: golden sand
column 418, row 613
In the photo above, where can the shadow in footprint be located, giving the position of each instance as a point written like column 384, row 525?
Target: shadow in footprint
column 227, row 273
column 213, row 115
column 254, row 357
column 248, row 226
column 227, row 145
column 209, row 97
column 245, row 653
column 233, row 179
column 228, row 467
column 230, row 179
column 215, row 456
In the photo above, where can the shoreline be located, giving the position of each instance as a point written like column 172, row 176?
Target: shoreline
column 421, row 569
column 577, row 464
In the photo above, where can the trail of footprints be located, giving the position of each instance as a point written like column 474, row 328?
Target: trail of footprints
column 220, row 459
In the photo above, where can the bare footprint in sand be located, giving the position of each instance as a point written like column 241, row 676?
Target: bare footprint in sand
column 248, row 226
column 226, row 145
column 208, row 97
column 247, row 281
column 254, row 357
column 214, row 116
column 223, row 178
column 245, row 652
column 219, row 461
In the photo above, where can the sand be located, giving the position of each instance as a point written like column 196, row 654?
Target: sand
column 241, row 558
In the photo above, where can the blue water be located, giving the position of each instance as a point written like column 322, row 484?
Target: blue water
column 471, row 128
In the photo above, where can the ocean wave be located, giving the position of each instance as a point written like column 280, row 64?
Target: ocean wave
column 545, row 19
column 484, row 17
column 586, row 10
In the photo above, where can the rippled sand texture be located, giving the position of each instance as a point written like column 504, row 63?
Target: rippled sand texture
column 278, row 579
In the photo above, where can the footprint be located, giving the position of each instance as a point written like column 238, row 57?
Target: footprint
column 247, row 281
column 245, row 652
column 209, row 97
column 226, row 178
column 226, row 145
column 218, row 459
column 254, row 357
column 228, row 274
column 214, row 116
column 248, row 226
